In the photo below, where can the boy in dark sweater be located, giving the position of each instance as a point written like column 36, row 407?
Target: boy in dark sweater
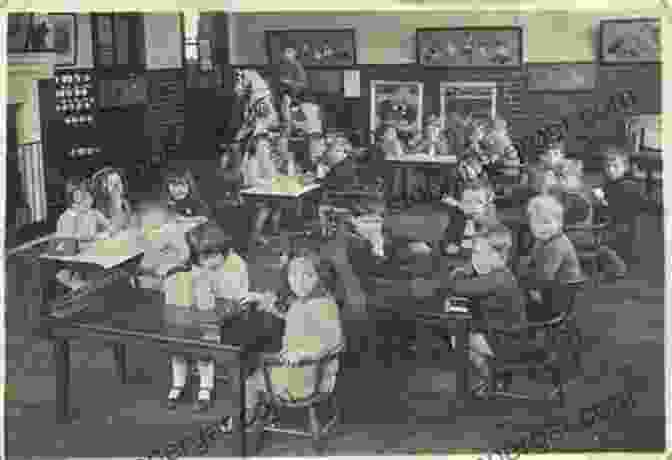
column 497, row 300
column 622, row 200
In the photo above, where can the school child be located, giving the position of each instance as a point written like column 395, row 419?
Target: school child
column 497, row 299
column 622, row 202
column 389, row 145
column 258, row 170
column 552, row 154
column 220, row 279
column 368, row 208
column 292, row 81
column 79, row 221
column 312, row 328
column 469, row 169
column 182, row 195
column 432, row 142
column 475, row 209
column 110, row 189
column 552, row 260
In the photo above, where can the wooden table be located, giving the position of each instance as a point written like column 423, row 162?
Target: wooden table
column 288, row 199
column 419, row 161
column 123, row 315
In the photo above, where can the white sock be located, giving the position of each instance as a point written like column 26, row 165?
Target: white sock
column 179, row 367
column 206, row 369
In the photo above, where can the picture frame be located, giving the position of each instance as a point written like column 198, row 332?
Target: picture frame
column 398, row 102
column 315, row 48
column 18, row 30
column 562, row 77
column 63, row 38
column 630, row 41
column 470, row 47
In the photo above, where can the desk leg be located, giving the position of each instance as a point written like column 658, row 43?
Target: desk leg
column 404, row 186
column 239, row 437
column 62, row 358
column 119, row 350
column 462, row 348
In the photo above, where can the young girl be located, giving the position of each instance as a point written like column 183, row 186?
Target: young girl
column 219, row 278
column 79, row 221
column 110, row 188
column 259, row 170
column 312, row 328
column 182, row 195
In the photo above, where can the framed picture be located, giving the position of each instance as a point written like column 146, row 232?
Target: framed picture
column 630, row 41
column 18, row 30
column 314, row 48
column 470, row 99
column 561, row 77
column 397, row 102
column 470, row 47
column 63, row 38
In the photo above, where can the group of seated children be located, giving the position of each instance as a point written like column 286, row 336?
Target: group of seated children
column 97, row 208
column 556, row 205
column 312, row 326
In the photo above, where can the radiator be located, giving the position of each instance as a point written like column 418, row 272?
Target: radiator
column 31, row 167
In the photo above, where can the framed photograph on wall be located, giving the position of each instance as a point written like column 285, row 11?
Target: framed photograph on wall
column 397, row 102
column 561, row 77
column 63, row 38
column 470, row 47
column 314, row 48
column 630, row 41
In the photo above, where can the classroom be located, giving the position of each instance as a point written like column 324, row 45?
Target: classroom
column 289, row 234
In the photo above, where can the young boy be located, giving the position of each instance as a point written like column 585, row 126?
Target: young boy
column 292, row 78
column 623, row 201
column 553, row 258
column 367, row 206
column 497, row 300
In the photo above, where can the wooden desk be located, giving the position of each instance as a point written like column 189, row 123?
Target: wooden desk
column 122, row 315
column 419, row 161
column 275, row 194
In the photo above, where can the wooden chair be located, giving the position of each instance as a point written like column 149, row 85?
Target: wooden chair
column 322, row 393
column 589, row 252
column 520, row 350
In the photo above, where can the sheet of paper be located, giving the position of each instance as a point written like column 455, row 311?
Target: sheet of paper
column 351, row 83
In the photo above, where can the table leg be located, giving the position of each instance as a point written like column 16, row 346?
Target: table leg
column 404, row 186
column 62, row 358
column 119, row 350
column 239, row 437
column 462, row 349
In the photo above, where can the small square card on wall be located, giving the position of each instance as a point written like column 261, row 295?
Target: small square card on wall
column 351, row 83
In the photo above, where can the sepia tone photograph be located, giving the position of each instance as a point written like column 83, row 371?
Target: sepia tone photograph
column 288, row 235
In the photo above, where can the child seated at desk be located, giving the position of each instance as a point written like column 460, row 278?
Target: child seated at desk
column 259, row 170
column 219, row 278
column 312, row 328
column 368, row 208
column 497, row 300
column 110, row 189
column 553, row 258
column 622, row 200
column 182, row 195
column 79, row 221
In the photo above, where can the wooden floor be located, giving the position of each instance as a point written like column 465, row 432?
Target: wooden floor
column 407, row 408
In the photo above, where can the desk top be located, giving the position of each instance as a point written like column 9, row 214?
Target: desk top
column 424, row 158
column 275, row 191
column 123, row 311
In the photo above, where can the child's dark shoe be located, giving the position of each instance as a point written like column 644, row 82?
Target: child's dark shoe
column 204, row 402
column 175, row 396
